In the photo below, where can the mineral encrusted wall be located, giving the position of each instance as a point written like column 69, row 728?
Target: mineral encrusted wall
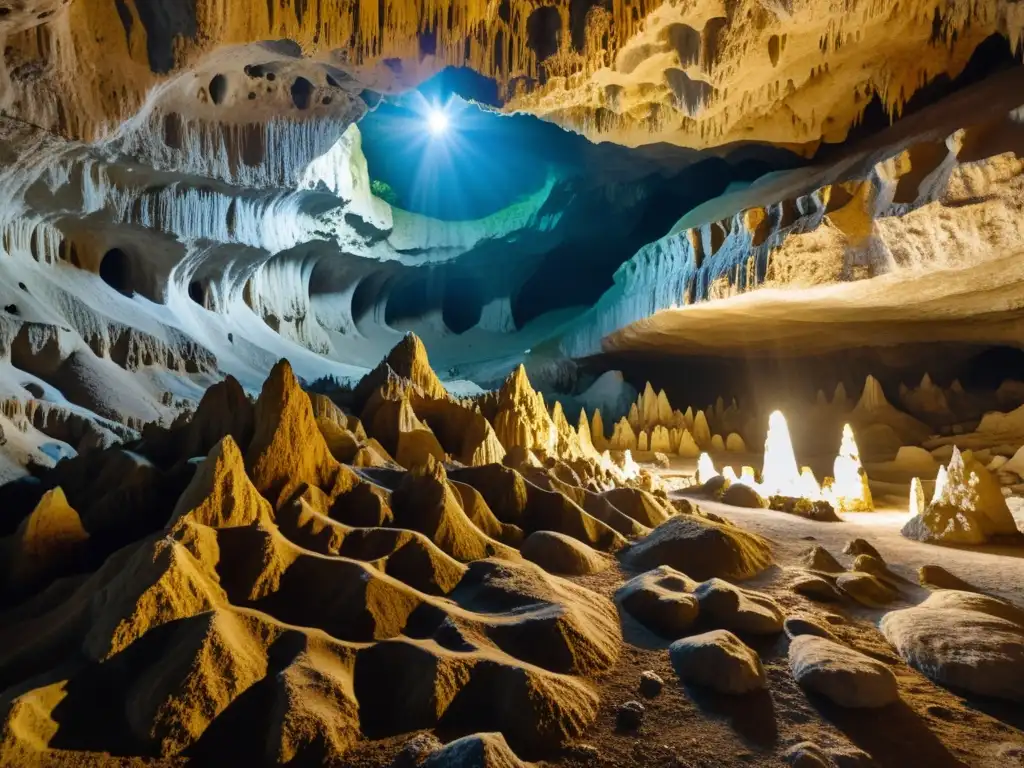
column 698, row 74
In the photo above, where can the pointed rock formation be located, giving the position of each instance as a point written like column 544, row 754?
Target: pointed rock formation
column 287, row 449
column 661, row 440
column 688, row 447
column 47, row 543
column 968, row 507
column 597, row 431
column 221, row 494
column 701, row 431
column 521, row 418
column 623, row 438
column 664, row 410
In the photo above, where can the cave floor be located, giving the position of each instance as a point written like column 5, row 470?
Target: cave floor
column 684, row 727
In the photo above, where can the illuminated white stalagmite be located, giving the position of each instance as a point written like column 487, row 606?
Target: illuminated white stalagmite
column 850, row 490
column 917, row 505
column 781, row 475
column 941, row 480
column 809, row 487
column 705, row 469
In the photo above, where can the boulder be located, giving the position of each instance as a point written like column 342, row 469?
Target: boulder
column 817, row 558
column 937, row 577
column 815, row 587
column 742, row 495
column 865, row 589
column 702, row 549
column 480, row 750
column 969, row 642
column 860, row 547
column 651, row 683
column 718, row 660
column 795, row 626
column 737, row 609
column 845, row 676
column 660, row 600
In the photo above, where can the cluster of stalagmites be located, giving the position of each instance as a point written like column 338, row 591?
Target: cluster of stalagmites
column 268, row 568
column 654, row 426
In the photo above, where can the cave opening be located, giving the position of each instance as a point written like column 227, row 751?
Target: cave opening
column 596, row 204
column 462, row 303
column 115, row 271
column 197, row 293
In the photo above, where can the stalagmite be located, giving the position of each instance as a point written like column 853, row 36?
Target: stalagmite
column 634, row 418
column 688, row 447
column 917, row 504
column 968, row 507
column 701, row 431
column 597, row 431
column 717, row 443
column 734, row 443
column 688, row 418
column 850, row 491
column 665, row 413
column 780, row 475
column 641, row 442
column 583, row 430
column 705, row 469
column 661, row 440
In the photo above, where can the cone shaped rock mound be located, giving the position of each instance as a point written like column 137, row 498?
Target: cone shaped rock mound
column 278, row 591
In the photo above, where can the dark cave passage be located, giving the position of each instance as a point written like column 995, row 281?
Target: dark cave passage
column 767, row 382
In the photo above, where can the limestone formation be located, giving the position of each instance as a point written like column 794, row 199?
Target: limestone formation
column 737, row 609
column 718, row 660
column 865, row 589
column 701, row 549
column 734, row 443
column 969, row 507
column 275, row 541
column 561, row 554
column 841, row 674
column 661, row 600
column 966, row 641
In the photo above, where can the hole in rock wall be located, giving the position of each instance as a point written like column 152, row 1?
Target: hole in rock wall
column 462, row 304
column 197, row 293
column 408, row 302
column 543, row 28
column 115, row 271
column 218, row 89
column 302, row 92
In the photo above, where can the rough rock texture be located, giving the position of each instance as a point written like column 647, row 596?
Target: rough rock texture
column 843, row 675
column 966, row 641
column 558, row 553
column 866, row 589
column 970, row 509
column 701, row 549
column 233, row 580
column 737, row 609
column 718, row 660
column 660, row 600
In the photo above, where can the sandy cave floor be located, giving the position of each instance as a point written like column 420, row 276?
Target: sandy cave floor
column 685, row 727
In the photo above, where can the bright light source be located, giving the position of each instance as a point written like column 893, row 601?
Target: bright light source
column 437, row 122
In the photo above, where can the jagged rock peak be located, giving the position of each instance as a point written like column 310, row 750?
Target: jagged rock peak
column 872, row 396
column 409, row 360
column 405, row 364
